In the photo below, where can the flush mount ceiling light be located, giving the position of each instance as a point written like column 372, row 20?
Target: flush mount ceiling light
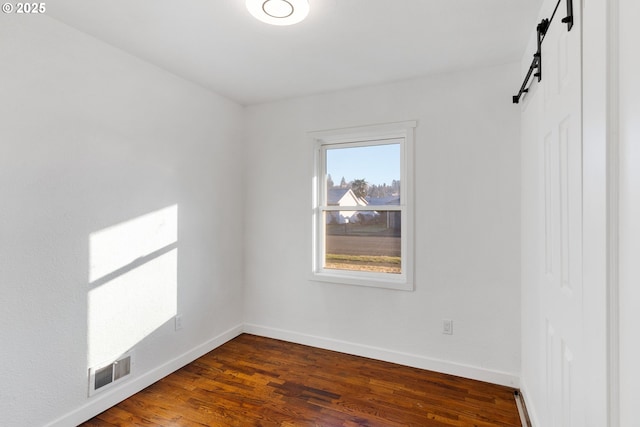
column 279, row 12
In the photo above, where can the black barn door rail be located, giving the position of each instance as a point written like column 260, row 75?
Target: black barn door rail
column 536, row 64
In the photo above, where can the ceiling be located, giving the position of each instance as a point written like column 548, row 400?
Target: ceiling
column 342, row 43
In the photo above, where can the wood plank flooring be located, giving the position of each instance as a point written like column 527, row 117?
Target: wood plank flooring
column 256, row 381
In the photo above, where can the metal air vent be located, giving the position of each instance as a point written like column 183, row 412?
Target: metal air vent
column 105, row 376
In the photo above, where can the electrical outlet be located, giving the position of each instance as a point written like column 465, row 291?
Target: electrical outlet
column 447, row 326
column 178, row 322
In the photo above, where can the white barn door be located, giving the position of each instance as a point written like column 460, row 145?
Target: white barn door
column 560, row 207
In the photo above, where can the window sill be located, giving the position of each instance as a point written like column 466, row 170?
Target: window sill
column 373, row 281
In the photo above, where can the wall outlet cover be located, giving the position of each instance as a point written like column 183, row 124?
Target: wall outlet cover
column 447, row 326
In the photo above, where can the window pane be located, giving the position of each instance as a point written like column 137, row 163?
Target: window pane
column 360, row 176
column 363, row 241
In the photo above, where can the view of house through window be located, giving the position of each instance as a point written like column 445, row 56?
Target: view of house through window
column 362, row 213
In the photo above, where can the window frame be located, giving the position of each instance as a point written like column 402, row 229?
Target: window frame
column 401, row 133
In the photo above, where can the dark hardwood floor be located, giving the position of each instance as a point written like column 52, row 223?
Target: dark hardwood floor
column 255, row 381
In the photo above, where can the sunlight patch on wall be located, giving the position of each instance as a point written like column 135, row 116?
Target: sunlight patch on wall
column 132, row 282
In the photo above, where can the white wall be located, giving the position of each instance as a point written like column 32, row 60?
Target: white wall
column 466, row 234
column 629, row 212
column 90, row 138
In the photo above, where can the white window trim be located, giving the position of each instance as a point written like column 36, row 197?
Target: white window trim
column 402, row 130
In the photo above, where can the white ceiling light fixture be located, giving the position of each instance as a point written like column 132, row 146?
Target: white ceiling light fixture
column 279, row 12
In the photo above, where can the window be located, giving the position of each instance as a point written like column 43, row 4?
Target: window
column 362, row 218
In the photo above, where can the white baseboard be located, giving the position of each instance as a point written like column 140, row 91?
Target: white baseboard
column 413, row 360
column 103, row 402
